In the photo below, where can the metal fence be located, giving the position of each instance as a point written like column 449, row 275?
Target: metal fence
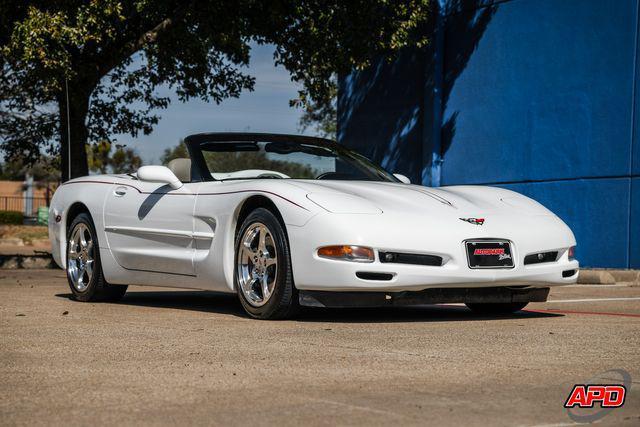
column 19, row 203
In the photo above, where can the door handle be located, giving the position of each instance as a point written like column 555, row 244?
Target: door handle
column 120, row 191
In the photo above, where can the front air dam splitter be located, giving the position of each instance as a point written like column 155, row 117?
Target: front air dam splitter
column 500, row 294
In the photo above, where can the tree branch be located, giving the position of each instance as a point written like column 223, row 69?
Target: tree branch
column 149, row 37
column 129, row 48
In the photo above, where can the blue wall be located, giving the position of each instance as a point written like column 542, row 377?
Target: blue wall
column 538, row 96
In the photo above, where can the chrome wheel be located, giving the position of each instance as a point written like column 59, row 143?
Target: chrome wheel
column 257, row 264
column 80, row 257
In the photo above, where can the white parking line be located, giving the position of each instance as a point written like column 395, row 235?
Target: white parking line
column 617, row 285
column 555, row 425
column 595, row 299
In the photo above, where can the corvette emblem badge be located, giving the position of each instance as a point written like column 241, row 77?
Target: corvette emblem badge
column 475, row 221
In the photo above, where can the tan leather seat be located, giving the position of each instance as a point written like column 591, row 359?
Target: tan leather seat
column 181, row 168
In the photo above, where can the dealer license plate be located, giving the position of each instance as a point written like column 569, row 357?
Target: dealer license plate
column 489, row 254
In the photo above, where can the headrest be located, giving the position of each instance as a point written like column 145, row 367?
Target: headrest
column 181, row 168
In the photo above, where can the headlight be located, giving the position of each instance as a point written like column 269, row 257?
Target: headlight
column 572, row 253
column 347, row 253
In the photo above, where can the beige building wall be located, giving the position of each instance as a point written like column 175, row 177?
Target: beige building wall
column 11, row 196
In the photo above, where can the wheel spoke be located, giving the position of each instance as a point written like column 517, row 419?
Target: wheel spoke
column 246, row 251
column 73, row 241
column 83, row 240
column 265, row 287
column 262, row 245
column 88, row 267
column 271, row 261
column 251, row 238
column 249, row 290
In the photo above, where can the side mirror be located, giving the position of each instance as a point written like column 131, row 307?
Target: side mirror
column 159, row 174
column 403, row 179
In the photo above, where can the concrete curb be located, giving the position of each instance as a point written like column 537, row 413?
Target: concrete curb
column 609, row 277
column 597, row 277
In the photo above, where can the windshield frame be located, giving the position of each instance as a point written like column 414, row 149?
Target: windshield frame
column 201, row 173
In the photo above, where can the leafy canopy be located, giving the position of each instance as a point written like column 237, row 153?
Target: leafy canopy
column 102, row 158
column 322, row 115
column 46, row 169
column 197, row 49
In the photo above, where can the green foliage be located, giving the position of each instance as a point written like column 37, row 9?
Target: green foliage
column 11, row 217
column 125, row 161
column 322, row 115
column 103, row 159
column 197, row 49
column 45, row 169
column 178, row 152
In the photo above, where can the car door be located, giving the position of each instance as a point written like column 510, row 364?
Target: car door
column 149, row 226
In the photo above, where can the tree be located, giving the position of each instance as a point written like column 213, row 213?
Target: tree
column 180, row 151
column 322, row 115
column 125, row 160
column 98, row 157
column 68, row 75
column 101, row 158
column 45, row 169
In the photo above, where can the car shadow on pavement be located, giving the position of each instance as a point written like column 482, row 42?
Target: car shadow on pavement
column 206, row 301
column 423, row 313
column 217, row 302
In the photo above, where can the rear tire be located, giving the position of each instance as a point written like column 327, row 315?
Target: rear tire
column 262, row 268
column 84, row 269
column 496, row 308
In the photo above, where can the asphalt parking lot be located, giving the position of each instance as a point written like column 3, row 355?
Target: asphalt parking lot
column 165, row 356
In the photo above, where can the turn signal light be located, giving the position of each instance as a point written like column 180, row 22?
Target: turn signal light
column 572, row 252
column 347, row 253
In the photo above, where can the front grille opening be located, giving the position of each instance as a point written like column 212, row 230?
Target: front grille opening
column 370, row 275
column 568, row 273
column 541, row 257
column 404, row 258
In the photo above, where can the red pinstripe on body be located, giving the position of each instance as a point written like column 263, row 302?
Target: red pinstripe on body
column 183, row 194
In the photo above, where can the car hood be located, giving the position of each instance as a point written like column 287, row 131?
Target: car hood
column 378, row 197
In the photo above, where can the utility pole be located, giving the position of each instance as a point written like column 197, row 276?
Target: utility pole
column 66, row 85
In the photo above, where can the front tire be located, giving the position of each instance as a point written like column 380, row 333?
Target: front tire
column 84, row 270
column 496, row 308
column 263, row 276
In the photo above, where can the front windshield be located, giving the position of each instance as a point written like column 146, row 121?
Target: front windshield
column 264, row 160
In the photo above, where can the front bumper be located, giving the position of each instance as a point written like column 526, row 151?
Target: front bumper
column 446, row 239
column 330, row 275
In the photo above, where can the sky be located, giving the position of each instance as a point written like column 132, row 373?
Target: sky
column 266, row 109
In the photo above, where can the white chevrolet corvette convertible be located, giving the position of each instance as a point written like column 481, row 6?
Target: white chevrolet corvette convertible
column 288, row 221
